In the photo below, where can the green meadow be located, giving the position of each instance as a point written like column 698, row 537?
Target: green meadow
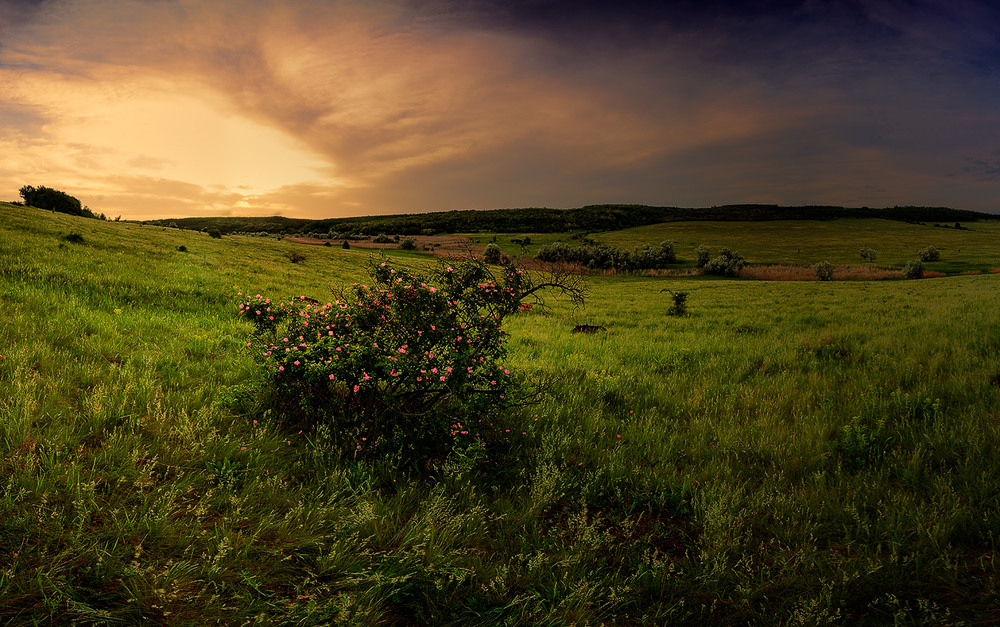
column 787, row 453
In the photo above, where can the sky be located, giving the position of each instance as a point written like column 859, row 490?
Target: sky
column 328, row 108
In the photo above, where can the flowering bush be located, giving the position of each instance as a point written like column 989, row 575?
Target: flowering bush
column 406, row 365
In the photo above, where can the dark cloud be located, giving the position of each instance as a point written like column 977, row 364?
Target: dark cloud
column 16, row 13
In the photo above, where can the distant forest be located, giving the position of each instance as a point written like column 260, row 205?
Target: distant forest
column 591, row 218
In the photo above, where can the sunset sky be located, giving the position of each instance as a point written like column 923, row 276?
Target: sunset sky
column 322, row 108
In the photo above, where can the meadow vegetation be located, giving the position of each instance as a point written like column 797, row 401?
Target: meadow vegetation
column 793, row 452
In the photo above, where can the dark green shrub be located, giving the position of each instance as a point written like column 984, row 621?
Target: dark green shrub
column 823, row 270
column 182, row 248
column 868, row 254
column 215, row 233
column 703, row 254
column 408, row 243
column 382, row 238
column 679, row 306
column 492, row 254
column 346, row 245
column 726, row 263
column 913, row 270
column 929, row 254
column 74, row 238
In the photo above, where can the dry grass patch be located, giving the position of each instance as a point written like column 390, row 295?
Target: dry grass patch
column 790, row 272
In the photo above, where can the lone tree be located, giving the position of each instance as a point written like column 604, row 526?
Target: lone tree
column 54, row 200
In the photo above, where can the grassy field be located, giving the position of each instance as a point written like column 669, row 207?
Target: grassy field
column 975, row 247
column 789, row 453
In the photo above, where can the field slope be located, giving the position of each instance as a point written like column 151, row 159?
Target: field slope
column 793, row 453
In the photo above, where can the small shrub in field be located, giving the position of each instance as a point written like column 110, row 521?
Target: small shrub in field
column 703, row 253
column 725, row 264
column 74, row 238
column 913, row 270
column 868, row 254
column 182, row 248
column 862, row 443
column 346, row 245
column 215, row 233
column 492, row 254
column 382, row 238
column 823, row 270
column 295, row 257
column 407, row 366
column 679, row 306
column 929, row 254
column 408, row 243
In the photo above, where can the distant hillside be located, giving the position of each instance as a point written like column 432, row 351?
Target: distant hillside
column 545, row 220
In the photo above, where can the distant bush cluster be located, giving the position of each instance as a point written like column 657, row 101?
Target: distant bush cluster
column 726, row 263
column 929, row 254
column 54, row 200
column 603, row 257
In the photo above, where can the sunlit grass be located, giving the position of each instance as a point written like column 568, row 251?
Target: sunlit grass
column 787, row 453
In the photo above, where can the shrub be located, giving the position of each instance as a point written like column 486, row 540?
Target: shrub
column 406, row 367
column 725, row 264
column 862, row 443
column 679, row 307
column 74, row 238
column 929, row 254
column 382, row 238
column 492, row 254
column 295, row 256
column 604, row 257
column 823, row 270
column 408, row 243
column 913, row 270
column 346, row 245
column 182, row 248
column 868, row 254
column 215, row 233
column 703, row 254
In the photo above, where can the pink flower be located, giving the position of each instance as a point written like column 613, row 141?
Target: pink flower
column 331, row 378
column 356, row 388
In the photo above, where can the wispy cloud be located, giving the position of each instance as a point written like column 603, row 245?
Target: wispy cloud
column 318, row 108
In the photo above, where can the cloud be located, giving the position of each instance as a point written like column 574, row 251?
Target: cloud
column 327, row 108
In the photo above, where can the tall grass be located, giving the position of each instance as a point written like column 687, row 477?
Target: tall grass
column 787, row 453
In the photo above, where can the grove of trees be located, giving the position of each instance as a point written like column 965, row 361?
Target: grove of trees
column 54, row 200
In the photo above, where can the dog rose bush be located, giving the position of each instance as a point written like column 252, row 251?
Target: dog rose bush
column 405, row 365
